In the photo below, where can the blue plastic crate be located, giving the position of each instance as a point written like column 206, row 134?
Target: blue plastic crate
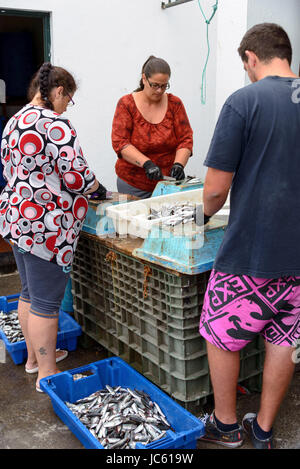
column 115, row 372
column 168, row 187
column 67, row 336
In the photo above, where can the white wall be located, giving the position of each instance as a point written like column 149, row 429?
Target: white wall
column 232, row 25
column 286, row 13
column 105, row 42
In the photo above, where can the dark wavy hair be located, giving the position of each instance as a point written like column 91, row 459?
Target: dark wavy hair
column 151, row 66
column 48, row 77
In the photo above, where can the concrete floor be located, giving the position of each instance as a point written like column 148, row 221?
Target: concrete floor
column 27, row 419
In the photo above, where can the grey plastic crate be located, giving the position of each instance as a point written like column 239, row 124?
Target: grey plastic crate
column 150, row 318
column 196, row 386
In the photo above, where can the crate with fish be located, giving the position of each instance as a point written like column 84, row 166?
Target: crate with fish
column 11, row 333
column 137, row 218
column 109, row 405
column 172, row 229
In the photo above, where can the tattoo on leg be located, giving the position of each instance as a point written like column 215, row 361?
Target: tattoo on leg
column 42, row 351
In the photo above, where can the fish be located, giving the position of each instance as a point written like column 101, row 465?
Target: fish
column 9, row 324
column 173, row 214
column 194, row 180
column 120, row 417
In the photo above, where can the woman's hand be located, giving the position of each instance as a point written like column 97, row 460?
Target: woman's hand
column 177, row 171
column 99, row 193
column 153, row 172
column 181, row 159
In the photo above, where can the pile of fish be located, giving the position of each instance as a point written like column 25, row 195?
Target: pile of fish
column 121, row 417
column 174, row 214
column 9, row 324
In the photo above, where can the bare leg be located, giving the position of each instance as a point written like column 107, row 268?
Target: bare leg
column 224, row 371
column 278, row 372
column 23, row 314
column 43, row 336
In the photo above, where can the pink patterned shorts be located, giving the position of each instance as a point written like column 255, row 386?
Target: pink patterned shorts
column 238, row 307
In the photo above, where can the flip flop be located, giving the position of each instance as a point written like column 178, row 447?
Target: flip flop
column 63, row 356
column 38, row 389
column 32, row 370
column 58, row 359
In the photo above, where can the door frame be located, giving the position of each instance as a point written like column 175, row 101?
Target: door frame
column 44, row 15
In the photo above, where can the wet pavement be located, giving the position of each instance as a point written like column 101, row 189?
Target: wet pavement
column 27, row 419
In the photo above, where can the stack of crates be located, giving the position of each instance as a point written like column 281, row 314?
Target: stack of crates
column 149, row 316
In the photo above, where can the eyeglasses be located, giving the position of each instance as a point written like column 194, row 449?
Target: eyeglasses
column 156, row 86
column 71, row 102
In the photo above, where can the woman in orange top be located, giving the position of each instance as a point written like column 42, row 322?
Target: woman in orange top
column 151, row 133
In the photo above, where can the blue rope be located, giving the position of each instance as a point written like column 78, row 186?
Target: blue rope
column 207, row 21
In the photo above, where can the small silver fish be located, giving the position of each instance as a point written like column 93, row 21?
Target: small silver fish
column 120, row 417
column 9, row 324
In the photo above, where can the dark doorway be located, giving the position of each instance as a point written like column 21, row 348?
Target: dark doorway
column 24, row 46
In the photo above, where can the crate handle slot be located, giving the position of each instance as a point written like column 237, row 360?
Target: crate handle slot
column 76, row 376
column 51, row 385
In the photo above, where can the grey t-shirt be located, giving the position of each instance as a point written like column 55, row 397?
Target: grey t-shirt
column 257, row 137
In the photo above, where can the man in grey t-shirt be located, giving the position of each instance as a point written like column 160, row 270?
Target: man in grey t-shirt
column 254, row 287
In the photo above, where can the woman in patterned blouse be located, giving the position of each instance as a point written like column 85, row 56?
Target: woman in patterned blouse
column 151, row 133
column 42, row 208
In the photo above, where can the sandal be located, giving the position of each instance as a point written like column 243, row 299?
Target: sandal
column 58, row 359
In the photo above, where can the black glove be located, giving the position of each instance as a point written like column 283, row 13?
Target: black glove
column 200, row 218
column 177, row 171
column 99, row 194
column 152, row 171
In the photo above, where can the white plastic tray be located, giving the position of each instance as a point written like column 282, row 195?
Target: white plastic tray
column 131, row 218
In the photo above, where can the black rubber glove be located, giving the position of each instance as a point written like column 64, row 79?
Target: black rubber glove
column 99, row 194
column 177, row 171
column 200, row 218
column 152, row 171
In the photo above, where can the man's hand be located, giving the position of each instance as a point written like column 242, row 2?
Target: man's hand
column 200, row 218
column 216, row 188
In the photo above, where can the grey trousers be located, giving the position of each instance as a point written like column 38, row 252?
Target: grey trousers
column 125, row 188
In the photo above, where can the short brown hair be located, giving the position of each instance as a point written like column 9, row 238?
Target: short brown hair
column 267, row 41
